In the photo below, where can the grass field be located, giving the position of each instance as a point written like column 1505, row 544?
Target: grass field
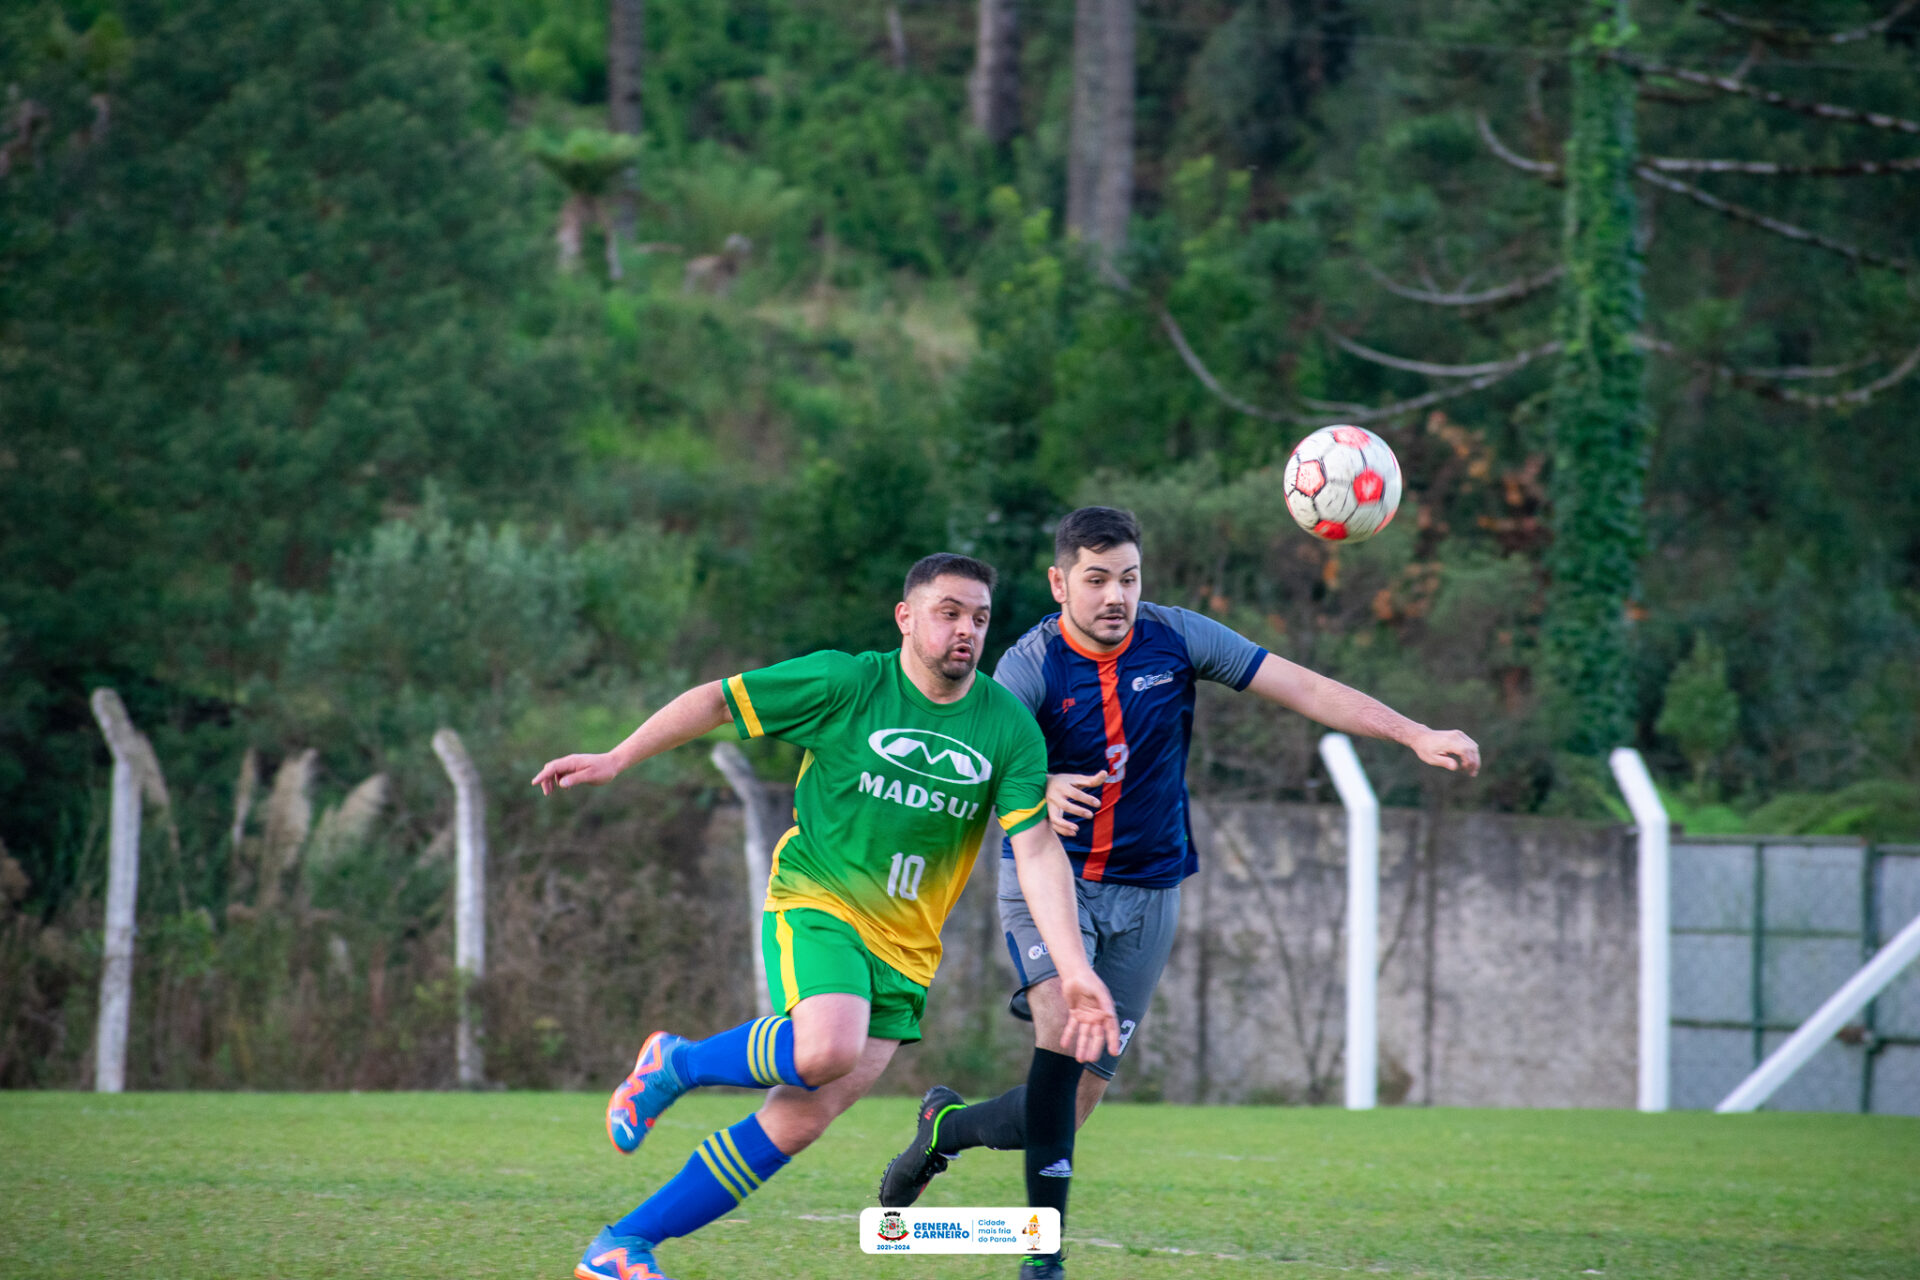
column 463, row 1185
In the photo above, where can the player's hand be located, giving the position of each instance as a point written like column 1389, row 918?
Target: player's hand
column 576, row 771
column 1447, row 749
column 1092, row 1027
column 1067, row 801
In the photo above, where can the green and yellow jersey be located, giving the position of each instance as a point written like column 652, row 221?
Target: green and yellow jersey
column 893, row 794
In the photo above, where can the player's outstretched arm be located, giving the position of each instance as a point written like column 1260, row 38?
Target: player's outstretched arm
column 1046, row 881
column 1347, row 710
column 694, row 714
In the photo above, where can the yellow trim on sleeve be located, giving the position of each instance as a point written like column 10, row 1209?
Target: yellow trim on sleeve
column 737, row 685
column 1008, row 821
column 789, row 984
column 806, row 763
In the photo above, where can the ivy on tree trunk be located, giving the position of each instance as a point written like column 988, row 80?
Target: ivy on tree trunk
column 1598, row 423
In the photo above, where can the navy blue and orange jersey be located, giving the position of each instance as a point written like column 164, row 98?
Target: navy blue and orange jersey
column 1129, row 712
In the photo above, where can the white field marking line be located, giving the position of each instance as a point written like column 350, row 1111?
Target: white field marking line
column 1095, row 1242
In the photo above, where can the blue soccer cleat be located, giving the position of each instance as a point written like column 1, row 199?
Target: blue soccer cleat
column 612, row 1257
column 648, row 1090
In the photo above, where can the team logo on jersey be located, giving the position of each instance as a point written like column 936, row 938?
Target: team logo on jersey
column 931, row 755
column 1142, row 683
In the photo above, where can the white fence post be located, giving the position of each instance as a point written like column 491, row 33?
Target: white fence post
column 1363, row 919
column 759, row 845
column 123, row 888
column 1829, row 1018
column 1650, row 817
column 469, row 898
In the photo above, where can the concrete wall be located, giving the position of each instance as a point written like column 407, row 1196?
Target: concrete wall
column 1509, row 950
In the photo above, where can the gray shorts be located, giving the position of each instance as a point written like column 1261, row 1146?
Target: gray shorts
column 1127, row 930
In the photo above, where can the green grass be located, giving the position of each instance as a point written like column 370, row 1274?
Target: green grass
column 457, row 1185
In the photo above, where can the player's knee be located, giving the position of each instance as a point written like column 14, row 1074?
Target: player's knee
column 824, row 1061
column 793, row 1124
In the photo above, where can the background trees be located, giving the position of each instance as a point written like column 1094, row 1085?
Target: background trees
column 292, row 397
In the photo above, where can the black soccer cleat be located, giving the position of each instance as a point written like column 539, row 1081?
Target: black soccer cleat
column 1047, row 1267
column 908, row 1173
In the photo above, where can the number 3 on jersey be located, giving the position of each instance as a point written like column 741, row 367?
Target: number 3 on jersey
column 903, row 881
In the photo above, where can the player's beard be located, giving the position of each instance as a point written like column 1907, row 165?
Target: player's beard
column 1109, row 624
column 944, row 664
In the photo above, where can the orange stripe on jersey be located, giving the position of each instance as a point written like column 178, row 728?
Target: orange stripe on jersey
column 1102, row 843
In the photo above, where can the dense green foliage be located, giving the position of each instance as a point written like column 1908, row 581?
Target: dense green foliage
column 389, row 1184
column 1597, row 424
column 305, row 441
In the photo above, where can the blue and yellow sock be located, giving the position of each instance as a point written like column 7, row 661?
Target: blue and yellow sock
column 757, row 1053
column 723, row 1171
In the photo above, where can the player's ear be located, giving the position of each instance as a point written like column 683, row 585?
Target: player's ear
column 903, row 615
column 1057, row 580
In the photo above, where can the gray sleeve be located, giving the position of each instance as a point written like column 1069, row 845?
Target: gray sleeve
column 1217, row 651
column 1019, row 671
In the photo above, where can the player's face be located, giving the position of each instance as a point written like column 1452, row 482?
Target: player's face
column 1101, row 592
column 945, row 621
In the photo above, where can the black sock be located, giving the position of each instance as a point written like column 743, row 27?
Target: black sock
column 1052, row 1083
column 1000, row 1123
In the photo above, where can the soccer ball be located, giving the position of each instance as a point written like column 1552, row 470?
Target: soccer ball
column 1342, row 484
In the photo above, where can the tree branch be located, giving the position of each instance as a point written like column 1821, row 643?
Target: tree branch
column 1796, row 36
column 1360, row 413
column 1763, row 381
column 1354, row 413
column 1740, row 213
column 1859, row 395
column 1539, row 168
column 1768, row 168
column 1819, row 110
column 1172, row 329
column 1504, row 293
column 1752, row 377
column 1353, row 348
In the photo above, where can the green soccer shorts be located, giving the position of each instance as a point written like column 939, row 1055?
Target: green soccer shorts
column 809, row 952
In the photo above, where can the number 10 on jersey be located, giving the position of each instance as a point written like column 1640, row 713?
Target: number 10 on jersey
column 903, row 879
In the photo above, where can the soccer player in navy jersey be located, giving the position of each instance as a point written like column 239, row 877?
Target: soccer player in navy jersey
column 1111, row 680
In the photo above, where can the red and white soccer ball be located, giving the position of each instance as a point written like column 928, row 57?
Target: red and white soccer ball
column 1343, row 484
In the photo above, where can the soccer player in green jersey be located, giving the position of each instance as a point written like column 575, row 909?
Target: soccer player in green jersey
column 907, row 753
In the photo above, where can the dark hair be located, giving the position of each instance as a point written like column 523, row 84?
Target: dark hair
column 927, row 568
column 1095, row 528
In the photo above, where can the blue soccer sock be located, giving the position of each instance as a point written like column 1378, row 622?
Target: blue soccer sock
column 722, row 1172
column 757, row 1053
